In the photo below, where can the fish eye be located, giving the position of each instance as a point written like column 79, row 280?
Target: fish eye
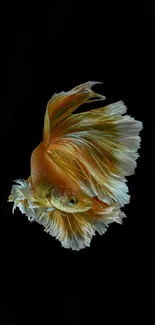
column 72, row 200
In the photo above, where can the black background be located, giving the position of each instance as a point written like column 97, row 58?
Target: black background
column 50, row 48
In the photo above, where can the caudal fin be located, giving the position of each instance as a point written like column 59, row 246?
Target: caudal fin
column 97, row 149
column 61, row 105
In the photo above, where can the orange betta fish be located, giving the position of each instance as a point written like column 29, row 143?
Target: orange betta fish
column 77, row 184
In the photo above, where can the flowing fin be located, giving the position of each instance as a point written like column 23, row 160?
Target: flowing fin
column 98, row 149
column 61, row 105
column 73, row 230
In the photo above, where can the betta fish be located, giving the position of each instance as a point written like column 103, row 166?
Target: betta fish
column 77, row 183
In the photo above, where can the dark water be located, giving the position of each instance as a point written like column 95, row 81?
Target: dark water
column 48, row 49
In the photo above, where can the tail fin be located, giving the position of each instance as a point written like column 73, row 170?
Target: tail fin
column 97, row 149
column 61, row 105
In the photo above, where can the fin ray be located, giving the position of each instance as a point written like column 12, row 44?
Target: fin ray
column 61, row 105
column 98, row 149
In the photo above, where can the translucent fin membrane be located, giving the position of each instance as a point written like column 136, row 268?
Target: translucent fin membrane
column 73, row 230
column 98, row 149
column 61, row 105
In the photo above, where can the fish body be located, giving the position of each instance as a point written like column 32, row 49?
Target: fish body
column 77, row 184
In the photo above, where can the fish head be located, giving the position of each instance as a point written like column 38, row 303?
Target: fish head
column 67, row 200
column 51, row 186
